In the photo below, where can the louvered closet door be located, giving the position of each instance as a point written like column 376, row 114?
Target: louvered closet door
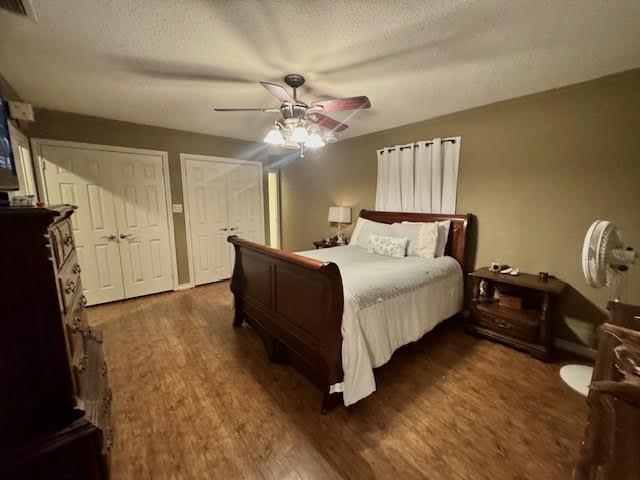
column 77, row 176
column 208, row 224
column 141, row 218
column 246, row 214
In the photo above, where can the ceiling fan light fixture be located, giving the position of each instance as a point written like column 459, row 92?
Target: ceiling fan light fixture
column 274, row 137
column 299, row 135
column 315, row 141
column 329, row 136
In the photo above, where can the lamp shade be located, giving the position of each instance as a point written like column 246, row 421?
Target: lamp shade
column 340, row 214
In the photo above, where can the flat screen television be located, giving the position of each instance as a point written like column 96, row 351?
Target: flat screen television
column 8, row 175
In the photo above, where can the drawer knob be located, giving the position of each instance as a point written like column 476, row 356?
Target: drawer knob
column 83, row 301
column 68, row 240
column 76, row 268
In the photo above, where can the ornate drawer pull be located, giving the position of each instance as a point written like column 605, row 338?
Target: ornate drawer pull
column 76, row 269
column 68, row 240
column 83, row 363
column 106, row 403
column 83, row 301
column 90, row 333
column 71, row 287
column 502, row 324
column 76, row 326
column 108, row 439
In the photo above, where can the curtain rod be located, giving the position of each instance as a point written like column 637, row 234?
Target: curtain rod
column 416, row 145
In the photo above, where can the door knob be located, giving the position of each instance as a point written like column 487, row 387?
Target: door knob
column 110, row 237
column 233, row 228
column 125, row 235
column 223, row 229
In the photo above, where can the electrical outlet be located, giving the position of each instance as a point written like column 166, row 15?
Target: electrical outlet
column 177, row 208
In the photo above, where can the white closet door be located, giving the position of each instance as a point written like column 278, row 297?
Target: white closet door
column 246, row 212
column 207, row 192
column 141, row 217
column 77, row 177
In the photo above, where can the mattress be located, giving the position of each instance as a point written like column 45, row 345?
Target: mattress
column 388, row 302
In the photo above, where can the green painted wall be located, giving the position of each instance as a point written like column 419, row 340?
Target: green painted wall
column 536, row 171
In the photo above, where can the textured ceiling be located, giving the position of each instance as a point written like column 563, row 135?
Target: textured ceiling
column 159, row 62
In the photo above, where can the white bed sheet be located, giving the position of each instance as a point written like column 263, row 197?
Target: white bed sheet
column 388, row 302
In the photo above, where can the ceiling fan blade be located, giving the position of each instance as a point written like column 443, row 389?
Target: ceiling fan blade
column 266, row 110
column 339, row 104
column 278, row 91
column 327, row 122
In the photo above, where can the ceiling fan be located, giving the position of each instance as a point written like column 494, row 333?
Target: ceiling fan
column 303, row 124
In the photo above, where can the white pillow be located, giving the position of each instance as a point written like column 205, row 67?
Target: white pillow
column 443, row 235
column 364, row 228
column 356, row 230
column 387, row 246
column 428, row 240
column 423, row 238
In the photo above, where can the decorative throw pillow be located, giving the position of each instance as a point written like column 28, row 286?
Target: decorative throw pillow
column 387, row 246
column 364, row 228
column 411, row 232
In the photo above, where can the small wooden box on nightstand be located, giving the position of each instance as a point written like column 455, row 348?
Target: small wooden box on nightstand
column 527, row 328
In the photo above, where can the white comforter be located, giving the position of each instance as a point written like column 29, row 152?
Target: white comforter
column 388, row 302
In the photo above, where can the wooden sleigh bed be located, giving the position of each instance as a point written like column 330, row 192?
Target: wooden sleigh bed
column 295, row 303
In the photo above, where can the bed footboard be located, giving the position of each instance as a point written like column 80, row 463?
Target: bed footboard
column 295, row 304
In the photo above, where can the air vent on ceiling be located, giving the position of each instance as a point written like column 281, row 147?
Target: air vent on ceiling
column 19, row 7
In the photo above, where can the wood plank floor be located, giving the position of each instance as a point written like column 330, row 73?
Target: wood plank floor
column 195, row 398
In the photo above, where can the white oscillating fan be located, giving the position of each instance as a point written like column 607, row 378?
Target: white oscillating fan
column 604, row 263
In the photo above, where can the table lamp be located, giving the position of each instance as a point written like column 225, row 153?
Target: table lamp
column 340, row 215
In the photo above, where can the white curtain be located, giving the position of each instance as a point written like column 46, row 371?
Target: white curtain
column 419, row 177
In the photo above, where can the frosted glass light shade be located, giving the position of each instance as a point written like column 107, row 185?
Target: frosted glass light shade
column 340, row 214
column 315, row 141
column 274, row 137
column 299, row 135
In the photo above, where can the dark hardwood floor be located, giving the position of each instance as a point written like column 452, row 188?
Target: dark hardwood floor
column 195, row 398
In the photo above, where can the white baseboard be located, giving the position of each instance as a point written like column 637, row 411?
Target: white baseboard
column 184, row 286
column 581, row 350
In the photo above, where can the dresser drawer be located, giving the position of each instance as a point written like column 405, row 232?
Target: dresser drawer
column 69, row 283
column 91, row 369
column 61, row 235
column 521, row 325
column 66, row 235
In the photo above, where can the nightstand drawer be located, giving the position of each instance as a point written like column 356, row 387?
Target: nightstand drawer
column 522, row 325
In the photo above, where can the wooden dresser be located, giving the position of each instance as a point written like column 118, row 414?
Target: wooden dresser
column 610, row 450
column 54, row 396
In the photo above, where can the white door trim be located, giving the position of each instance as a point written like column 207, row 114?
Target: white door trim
column 38, row 143
column 185, row 197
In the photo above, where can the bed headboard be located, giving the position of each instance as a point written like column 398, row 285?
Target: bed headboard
column 457, row 233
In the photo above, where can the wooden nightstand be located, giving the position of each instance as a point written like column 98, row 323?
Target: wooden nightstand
column 528, row 328
column 324, row 244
